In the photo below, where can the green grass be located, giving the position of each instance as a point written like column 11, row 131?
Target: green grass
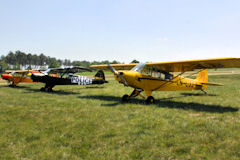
column 2, row 81
column 90, row 122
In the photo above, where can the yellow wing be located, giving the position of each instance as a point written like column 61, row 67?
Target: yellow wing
column 190, row 65
column 182, row 66
column 116, row 66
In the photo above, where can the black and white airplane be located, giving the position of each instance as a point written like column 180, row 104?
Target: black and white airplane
column 66, row 76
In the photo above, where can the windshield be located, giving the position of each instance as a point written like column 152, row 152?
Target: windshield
column 138, row 67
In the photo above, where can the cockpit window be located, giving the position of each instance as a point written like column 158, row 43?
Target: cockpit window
column 13, row 73
column 70, row 75
column 138, row 67
column 153, row 72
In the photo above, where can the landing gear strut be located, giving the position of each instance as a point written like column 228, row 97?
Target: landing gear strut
column 47, row 88
column 136, row 92
column 205, row 92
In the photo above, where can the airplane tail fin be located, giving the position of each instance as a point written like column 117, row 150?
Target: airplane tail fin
column 100, row 75
column 202, row 76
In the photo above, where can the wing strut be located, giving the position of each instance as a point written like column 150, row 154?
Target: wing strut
column 168, row 81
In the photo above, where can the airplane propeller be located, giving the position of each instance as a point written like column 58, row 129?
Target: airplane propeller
column 117, row 73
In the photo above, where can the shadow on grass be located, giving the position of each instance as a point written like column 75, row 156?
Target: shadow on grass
column 166, row 103
column 197, row 94
column 59, row 92
column 29, row 89
column 94, row 87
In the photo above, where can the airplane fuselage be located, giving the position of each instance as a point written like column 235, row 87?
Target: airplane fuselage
column 149, row 83
column 51, row 80
column 73, row 80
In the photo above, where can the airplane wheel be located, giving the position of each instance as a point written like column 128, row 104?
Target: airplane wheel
column 12, row 85
column 150, row 100
column 125, row 98
column 49, row 90
column 43, row 89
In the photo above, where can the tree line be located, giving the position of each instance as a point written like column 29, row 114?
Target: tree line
column 20, row 60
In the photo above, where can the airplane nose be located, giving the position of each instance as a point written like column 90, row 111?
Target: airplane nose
column 5, row 76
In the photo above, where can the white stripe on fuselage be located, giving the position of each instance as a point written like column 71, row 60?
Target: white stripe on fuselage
column 81, row 80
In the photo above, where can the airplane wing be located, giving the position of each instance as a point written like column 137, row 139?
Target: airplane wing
column 190, row 65
column 68, row 70
column 16, row 71
column 182, row 66
column 21, row 71
column 116, row 66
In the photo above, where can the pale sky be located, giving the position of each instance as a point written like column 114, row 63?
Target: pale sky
column 122, row 30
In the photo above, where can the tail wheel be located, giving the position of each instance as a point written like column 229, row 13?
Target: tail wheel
column 125, row 98
column 150, row 100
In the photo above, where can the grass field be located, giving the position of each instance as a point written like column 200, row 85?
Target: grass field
column 90, row 122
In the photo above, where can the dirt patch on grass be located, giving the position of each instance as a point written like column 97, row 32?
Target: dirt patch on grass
column 195, row 115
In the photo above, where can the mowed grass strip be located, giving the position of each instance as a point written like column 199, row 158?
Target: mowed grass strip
column 90, row 122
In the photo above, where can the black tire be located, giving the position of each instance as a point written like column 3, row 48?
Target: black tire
column 150, row 100
column 43, row 89
column 125, row 98
column 50, row 90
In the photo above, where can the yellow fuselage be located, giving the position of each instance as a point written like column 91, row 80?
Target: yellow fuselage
column 148, row 83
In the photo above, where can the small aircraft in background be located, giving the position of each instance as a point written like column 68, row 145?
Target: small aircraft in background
column 15, row 77
column 66, row 76
column 149, row 77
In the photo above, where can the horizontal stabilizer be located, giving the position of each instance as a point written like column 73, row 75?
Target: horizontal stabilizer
column 212, row 84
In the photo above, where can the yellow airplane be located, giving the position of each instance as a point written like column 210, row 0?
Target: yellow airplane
column 149, row 77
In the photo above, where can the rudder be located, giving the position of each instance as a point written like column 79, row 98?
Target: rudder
column 202, row 77
column 100, row 75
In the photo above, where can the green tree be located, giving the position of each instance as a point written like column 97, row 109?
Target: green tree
column 85, row 63
column 77, row 63
column 17, row 67
column 11, row 58
column 3, row 66
column 42, row 59
column 35, row 60
column 21, row 58
column 135, row 61
column 29, row 59
column 115, row 62
column 60, row 62
column 66, row 62
column 54, row 64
